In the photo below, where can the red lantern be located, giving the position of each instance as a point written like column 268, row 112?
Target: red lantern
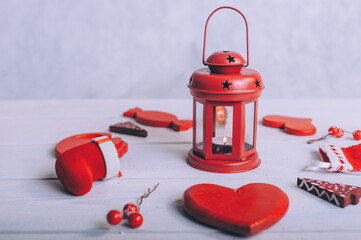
column 225, row 100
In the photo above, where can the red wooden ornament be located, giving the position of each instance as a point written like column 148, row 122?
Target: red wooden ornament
column 79, row 166
column 341, row 195
column 158, row 119
column 128, row 128
column 291, row 125
column 80, row 139
column 246, row 210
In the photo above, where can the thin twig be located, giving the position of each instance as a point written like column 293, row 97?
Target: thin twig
column 318, row 139
column 146, row 195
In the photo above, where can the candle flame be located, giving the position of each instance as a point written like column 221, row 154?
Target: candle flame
column 224, row 140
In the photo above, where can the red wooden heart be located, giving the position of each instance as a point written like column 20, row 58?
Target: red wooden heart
column 291, row 125
column 246, row 210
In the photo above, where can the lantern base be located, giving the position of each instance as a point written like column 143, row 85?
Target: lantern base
column 223, row 166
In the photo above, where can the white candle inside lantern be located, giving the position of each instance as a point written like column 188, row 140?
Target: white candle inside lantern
column 222, row 145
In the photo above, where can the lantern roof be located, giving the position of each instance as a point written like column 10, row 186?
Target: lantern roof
column 244, row 82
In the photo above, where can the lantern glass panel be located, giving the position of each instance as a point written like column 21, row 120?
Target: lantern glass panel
column 249, row 126
column 222, row 129
column 199, row 126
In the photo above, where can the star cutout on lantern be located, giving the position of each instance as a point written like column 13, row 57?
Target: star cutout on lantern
column 230, row 59
column 226, row 84
column 190, row 80
column 257, row 83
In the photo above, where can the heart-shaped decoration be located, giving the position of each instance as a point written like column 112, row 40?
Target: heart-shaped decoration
column 246, row 210
column 291, row 125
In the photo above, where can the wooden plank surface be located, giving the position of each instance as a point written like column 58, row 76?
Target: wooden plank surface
column 34, row 205
column 56, row 211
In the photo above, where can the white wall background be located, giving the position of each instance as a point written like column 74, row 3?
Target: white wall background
column 148, row 49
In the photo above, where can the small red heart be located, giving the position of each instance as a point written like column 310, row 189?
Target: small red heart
column 291, row 125
column 246, row 210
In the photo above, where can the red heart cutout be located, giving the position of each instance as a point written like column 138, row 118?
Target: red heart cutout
column 291, row 125
column 246, row 210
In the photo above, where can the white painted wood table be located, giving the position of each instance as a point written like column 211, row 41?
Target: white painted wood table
column 34, row 205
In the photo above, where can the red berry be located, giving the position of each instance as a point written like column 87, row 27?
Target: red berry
column 357, row 135
column 340, row 133
column 333, row 131
column 114, row 217
column 135, row 220
column 128, row 209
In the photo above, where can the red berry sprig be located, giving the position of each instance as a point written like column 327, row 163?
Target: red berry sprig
column 135, row 220
column 337, row 132
column 340, row 133
column 130, row 211
column 357, row 135
column 333, row 131
column 114, row 217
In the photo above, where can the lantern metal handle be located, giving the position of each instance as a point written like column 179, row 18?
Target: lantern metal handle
column 205, row 32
